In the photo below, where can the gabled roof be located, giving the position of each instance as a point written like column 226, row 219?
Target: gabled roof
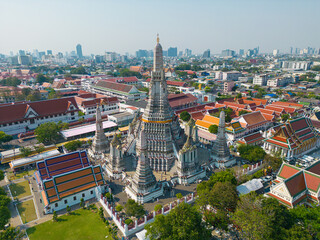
column 115, row 86
column 296, row 184
column 16, row 111
column 286, row 171
column 61, row 164
column 253, row 118
column 70, row 183
column 252, row 138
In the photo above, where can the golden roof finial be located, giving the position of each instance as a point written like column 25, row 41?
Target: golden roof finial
column 158, row 40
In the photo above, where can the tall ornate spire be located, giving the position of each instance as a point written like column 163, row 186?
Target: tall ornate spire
column 100, row 141
column 221, row 148
column 143, row 179
column 158, row 57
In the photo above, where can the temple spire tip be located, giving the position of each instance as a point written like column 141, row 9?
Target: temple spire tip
column 158, row 40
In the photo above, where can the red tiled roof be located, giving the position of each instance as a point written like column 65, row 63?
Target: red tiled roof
column 115, row 86
column 287, row 171
column 296, row 184
column 313, row 182
column 16, row 112
column 254, row 118
column 181, row 99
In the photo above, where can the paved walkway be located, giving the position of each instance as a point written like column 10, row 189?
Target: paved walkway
column 120, row 197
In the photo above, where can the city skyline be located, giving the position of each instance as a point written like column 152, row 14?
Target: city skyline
column 104, row 25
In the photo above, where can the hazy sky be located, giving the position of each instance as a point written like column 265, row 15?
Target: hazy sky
column 127, row 25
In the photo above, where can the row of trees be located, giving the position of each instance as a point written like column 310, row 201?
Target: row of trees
column 250, row 216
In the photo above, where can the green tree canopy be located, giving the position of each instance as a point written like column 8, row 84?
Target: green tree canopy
column 251, row 153
column 73, row 145
column 185, row 116
column 1, row 177
column 133, row 208
column 12, row 233
column 78, row 70
column 127, row 73
column 262, row 218
column 5, row 137
column 10, row 81
column 182, row 223
column 213, row 129
column 48, row 133
column 25, row 151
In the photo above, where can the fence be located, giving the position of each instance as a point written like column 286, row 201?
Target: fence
column 139, row 224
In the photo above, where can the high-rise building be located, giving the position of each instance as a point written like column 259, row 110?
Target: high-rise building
column 206, row 53
column 227, row 53
column 49, row 52
column 291, row 50
column 241, row 52
column 79, row 51
column 22, row 53
column 187, row 52
column 275, row 52
column 24, row 60
column 142, row 53
column 41, row 54
column 172, row 52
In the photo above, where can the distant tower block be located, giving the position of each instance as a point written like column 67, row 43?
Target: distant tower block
column 221, row 150
column 100, row 142
column 144, row 186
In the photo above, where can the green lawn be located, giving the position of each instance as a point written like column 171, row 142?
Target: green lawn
column 20, row 189
column 81, row 224
column 27, row 211
column 17, row 175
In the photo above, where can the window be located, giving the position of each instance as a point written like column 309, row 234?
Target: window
column 74, row 198
column 56, row 205
column 65, row 201
column 83, row 195
column 91, row 192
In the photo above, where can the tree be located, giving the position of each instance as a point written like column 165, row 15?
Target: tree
column 25, row 151
column 251, row 153
column 273, row 161
column 157, row 207
column 207, row 89
column 183, row 222
column 119, row 208
column 223, row 196
column 285, row 117
column 78, row 70
column 241, row 112
column 213, row 129
column 82, row 203
column 133, row 208
column 185, row 116
column 5, row 215
column 5, row 137
column 179, row 195
column 48, row 133
column 101, row 213
column 55, row 216
column 128, row 221
column 73, row 145
column 127, row 73
column 262, row 218
column 239, row 95
column 39, row 148
column 10, row 81
column 41, row 78
column 68, row 209
column 316, row 68
column 1, row 176
column 12, row 233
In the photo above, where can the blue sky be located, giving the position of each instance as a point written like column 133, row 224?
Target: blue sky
column 128, row 25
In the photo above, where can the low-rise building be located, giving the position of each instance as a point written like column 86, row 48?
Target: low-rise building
column 65, row 180
column 87, row 103
column 293, row 138
column 227, row 86
column 295, row 186
column 22, row 117
column 260, row 80
column 123, row 92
